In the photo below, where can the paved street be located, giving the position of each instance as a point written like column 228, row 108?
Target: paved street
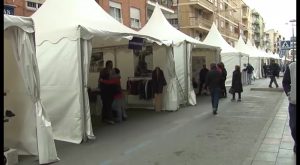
column 254, row 131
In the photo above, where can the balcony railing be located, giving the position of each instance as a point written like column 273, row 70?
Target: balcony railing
column 166, row 3
column 201, row 22
column 203, row 4
column 228, row 33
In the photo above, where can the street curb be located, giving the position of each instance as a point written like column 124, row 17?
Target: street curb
column 268, row 89
column 263, row 133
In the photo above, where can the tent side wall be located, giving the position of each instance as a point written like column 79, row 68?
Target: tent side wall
column 163, row 58
column 60, row 88
column 230, row 61
column 16, row 133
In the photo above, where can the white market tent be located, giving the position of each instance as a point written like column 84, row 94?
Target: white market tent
column 30, row 131
column 64, row 44
column 255, row 60
column 229, row 55
column 177, row 56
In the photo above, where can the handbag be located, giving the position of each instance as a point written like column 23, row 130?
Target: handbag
column 231, row 90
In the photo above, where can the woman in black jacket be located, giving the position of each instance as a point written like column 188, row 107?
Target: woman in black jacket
column 236, row 85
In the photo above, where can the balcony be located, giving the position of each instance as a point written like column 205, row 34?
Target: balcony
column 202, row 4
column 201, row 23
column 228, row 33
column 165, row 3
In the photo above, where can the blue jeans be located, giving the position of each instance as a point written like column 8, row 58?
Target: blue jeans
column 292, row 122
column 215, row 94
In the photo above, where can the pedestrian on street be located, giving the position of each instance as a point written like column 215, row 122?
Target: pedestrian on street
column 264, row 70
column 202, row 75
column 213, row 81
column 224, row 75
column 236, row 84
column 289, row 86
column 249, row 69
column 274, row 72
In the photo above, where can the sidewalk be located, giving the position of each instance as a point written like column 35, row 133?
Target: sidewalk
column 276, row 147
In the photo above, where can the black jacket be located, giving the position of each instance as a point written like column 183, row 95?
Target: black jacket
column 158, row 80
column 213, row 79
column 202, row 74
column 236, row 83
column 274, row 69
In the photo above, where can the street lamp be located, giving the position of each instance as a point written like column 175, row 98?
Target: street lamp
column 293, row 42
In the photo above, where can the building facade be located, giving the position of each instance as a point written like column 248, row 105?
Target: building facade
column 230, row 16
column 132, row 13
column 258, row 29
column 273, row 38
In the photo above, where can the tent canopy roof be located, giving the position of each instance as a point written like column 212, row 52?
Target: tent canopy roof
column 158, row 27
column 214, row 38
column 242, row 47
column 82, row 18
column 24, row 23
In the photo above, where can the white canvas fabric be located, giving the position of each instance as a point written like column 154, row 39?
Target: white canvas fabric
column 63, row 55
column 30, row 131
column 229, row 55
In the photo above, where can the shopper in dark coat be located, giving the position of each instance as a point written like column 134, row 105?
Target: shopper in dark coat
column 236, row 84
column 274, row 69
column 158, row 81
column 224, row 76
column 213, row 82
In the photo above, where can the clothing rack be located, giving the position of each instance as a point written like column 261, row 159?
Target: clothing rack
column 139, row 78
column 145, row 104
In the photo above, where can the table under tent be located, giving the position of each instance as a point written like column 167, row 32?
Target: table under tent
column 30, row 130
column 64, row 53
column 229, row 55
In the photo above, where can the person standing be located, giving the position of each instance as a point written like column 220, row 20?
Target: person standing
column 289, row 86
column 159, row 81
column 264, row 70
column 213, row 81
column 202, row 75
column 236, row 84
column 274, row 72
column 224, row 75
column 249, row 70
column 106, row 92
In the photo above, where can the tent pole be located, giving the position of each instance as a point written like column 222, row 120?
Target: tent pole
column 186, row 81
column 82, row 91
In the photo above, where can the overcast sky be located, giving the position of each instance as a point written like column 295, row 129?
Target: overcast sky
column 276, row 13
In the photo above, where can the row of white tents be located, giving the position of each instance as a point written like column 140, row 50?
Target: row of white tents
column 54, row 102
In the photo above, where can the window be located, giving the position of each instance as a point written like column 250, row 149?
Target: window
column 135, row 18
column 115, row 11
column 222, row 24
column 231, row 28
column 32, row 5
column 173, row 22
column 216, row 3
column 221, row 6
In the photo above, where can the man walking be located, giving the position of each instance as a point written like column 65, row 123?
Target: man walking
column 213, row 81
column 274, row 72
column 289, row 86
column 202, row 76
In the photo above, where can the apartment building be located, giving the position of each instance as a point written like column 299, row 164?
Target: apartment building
column 258, row 29
column 22, row 7
column 246, row 21
column 196, row 17
column 272, row 40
